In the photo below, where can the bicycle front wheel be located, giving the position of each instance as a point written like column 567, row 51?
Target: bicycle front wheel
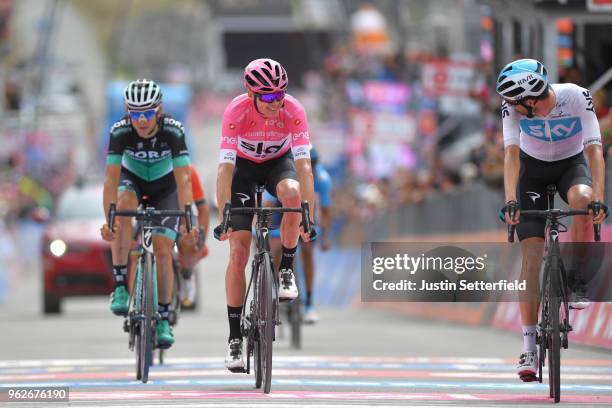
column 554, row 354
column 266, row 323
column 145, row 346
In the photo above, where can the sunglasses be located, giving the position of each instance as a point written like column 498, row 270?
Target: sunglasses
column 272, row 97
column 148, row 114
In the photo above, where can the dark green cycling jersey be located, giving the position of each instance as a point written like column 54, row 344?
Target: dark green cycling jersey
column 148, row 159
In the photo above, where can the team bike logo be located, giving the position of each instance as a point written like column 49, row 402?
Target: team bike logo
column 148, row 239
column 243, row 197
column 260, row 149
column 533, row 195
column 552, row 129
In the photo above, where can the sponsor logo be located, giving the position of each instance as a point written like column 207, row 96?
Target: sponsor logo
column 260, row 149
column 533, row 195
column 526, row 79
column 139, row 145
column 174, row 122
column 148, row 239
column 589, row 101
column 504, row 109
column 592, row 141
column 243, row 197
column 228, row 139
column 153, row 141
column 552, row 129
column 300, row 135
column 119, row 124
column 144, row 154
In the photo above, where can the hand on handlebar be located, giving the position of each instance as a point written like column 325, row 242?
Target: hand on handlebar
column 512, row 213
column 191, row 237
column 220, row 235
column 308, row 236
column 108, row 234
column 601, row 209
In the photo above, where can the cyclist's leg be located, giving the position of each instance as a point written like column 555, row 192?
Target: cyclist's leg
column 165, row 234
column 283, row 182
column 531, row 194
column 243, row 188
column 128, row 196
column 575, row 187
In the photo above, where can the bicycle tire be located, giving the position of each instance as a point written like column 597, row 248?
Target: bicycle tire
column 146, row 327
column 138, row 307
column 254, row 330
column 257, row 367
column 295, row 322
column 555, row 351
column 266, row 315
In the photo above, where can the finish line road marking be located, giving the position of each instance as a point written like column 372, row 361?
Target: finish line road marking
column 336, row 396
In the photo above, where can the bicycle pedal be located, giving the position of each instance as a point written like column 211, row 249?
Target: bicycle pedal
column 529, row 378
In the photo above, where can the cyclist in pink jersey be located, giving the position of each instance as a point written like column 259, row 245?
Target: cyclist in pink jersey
column 264, row 141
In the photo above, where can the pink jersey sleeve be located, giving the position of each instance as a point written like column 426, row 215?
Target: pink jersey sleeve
column 233, row 115
column 297, row 124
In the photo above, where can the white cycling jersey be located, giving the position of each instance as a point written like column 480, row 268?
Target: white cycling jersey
column 569, row 127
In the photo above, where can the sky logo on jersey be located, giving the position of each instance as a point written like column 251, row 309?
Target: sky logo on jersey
column 552, row 129
column 261, row 149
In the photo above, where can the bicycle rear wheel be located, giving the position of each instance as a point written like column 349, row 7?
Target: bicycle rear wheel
column 145, row 344
column 266, row 320
column 258, row 358
column 554, row 356
column 294, row 310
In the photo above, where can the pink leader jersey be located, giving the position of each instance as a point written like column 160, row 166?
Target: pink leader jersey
column 247, row 134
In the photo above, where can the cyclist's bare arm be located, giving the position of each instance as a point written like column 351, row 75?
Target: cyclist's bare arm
column 203, row 217
column 597, row 166
column 112, row 174
column 304, row 171
column 512, row 166
column 182, row 175
column 224, row 186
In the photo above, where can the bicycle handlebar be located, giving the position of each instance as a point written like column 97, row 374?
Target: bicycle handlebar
column 556, row 214
column 149, row 213
column 228, row 210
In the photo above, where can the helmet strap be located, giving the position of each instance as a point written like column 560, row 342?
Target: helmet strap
column 528, row 108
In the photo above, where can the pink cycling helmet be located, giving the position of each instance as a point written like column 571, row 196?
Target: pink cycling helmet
column 264, row 75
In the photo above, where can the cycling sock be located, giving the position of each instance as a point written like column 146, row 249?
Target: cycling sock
column 308, row 301
column 164, row 310
column 120, row 272
column 529, row 338
column 287, row 259
column 233, row 316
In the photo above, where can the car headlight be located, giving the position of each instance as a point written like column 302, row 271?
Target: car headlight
column 57, row 247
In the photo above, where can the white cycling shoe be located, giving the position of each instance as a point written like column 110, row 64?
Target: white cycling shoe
column 234, row 360
column 527, row 368
column 287, row 289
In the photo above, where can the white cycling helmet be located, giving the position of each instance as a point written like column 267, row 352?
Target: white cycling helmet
column 142, row 94
column 521, row 79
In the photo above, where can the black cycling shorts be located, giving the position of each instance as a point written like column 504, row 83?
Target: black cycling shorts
column 162, row 196
column 535, row 176
column 248, row 174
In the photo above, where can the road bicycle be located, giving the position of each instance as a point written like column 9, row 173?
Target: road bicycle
column 142, row 315
column 259, row 319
